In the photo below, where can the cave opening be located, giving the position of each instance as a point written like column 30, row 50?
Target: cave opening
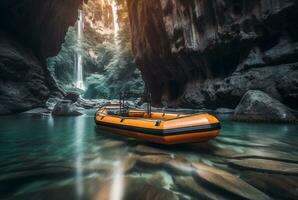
column 96, row 59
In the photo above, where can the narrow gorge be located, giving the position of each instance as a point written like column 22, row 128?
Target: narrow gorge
column 194, row 54
column 148, row 99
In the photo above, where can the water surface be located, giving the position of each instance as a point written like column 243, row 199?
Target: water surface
column 45, row 157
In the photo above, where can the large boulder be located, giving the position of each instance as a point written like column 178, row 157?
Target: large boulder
column 256, row 105
column 65, row 108
column 72, row 96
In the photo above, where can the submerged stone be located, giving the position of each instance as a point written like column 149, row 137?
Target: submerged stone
column 280, row 186
column 228, row 182
column 190, row 186
column 269, row 155
column 142, row 149
column 134, row 188
column 267, row 165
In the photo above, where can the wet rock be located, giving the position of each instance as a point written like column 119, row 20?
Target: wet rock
column 65, row 108
column 227, row 182
column 224, row 111
column 38, row 111
column 190, row 186
column 266, row 166
column 91, row 103
column 253, row 60
column 259, row 106
column 51, row 102
column 72, row 96
column 280, row 186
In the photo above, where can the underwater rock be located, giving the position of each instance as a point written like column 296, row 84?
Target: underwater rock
column 269, row 155
column 155, row 160
column 142, row 149
column 112, row 144
column 172, row 163
column 228, row 182
column 266, row 166
column 259, row 106
column 189, row 185
column 68, row 189
column 129, row 164
column 238, row 142
column 280, row 186
column 65, row 108
column 135, row 188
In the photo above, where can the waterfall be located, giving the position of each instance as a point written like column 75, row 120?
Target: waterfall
column 79, row 152
column 115, row 20
column 79, row 61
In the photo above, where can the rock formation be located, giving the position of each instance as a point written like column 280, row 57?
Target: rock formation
column 65, row 108
column 258, row 106
column 30, row 32
column 201, row 53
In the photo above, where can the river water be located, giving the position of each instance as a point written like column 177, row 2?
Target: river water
column 45, row 157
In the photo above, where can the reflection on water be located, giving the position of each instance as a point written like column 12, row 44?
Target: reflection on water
column 79, row 133
column 117, row 181
column 67, row 158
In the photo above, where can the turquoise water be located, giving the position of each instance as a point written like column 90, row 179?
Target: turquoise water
column 45, row 157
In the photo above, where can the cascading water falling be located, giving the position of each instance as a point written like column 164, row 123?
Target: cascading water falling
column 79, row 61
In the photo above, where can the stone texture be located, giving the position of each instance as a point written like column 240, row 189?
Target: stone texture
column 65, row 108
column 280, row 186
column 24, row 84
column 259, row 106
column 30, row 32
column 228, row 182
column 200, row 53
column 134, row 189
column 264, row 165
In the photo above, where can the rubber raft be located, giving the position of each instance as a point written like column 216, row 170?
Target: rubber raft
column 158, row 127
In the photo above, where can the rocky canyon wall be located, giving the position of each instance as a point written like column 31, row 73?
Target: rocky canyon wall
column 30, row 31
column 208, row 53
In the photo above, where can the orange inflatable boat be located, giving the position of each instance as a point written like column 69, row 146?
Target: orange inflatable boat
column 159, row 127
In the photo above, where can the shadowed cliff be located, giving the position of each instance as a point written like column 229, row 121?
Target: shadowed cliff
column 30, row 32
column 201, row 53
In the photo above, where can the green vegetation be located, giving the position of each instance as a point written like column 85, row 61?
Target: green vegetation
column 108, row 65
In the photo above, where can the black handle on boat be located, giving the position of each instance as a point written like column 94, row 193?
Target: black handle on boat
column 145, row 96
